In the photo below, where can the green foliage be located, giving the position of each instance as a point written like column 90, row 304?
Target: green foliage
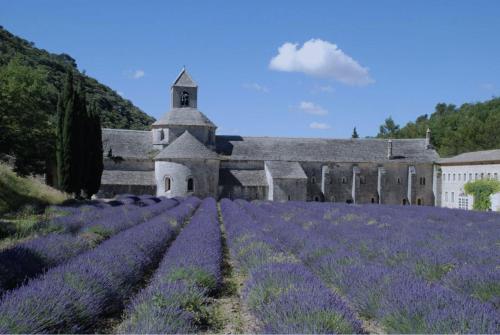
column 79, row 142
column 481, row 189
column 26, row 130
column 471, row 127
column 30, row 112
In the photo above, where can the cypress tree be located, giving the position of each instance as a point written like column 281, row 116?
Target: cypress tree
column 94, row 159
column 65, row 122
column 354, row 133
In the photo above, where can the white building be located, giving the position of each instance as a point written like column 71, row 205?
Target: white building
column 456, row 171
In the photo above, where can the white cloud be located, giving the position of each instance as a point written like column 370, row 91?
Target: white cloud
column 323, row 89
column 256, row 87
column 138, row 74
column 311, row 108
column 320, row 59
column 319, row 125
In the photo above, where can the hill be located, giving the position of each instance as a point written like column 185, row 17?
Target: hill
column 115, row 111
column 470, row 127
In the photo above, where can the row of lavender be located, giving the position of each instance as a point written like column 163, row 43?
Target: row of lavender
column 28, row 259
column 283, row 294
column 413, row 270
column 176, row 299
column 74, row 296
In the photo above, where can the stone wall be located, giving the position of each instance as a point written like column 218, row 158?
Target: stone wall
column 205, row 174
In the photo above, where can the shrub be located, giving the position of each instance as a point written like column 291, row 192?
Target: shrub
column 481, row 189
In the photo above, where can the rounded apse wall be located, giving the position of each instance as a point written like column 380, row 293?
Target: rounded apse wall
column 175, row 176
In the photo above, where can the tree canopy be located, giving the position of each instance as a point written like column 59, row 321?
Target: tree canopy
column 470, row 127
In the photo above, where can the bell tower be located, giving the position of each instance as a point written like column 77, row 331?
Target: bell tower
column 184, row 91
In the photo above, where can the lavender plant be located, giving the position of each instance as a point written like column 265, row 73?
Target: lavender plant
column 72, row 297
column 280, row 290
column 175, row 301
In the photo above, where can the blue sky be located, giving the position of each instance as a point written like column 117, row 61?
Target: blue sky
column 279, row 68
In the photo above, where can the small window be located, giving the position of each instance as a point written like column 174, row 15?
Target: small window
column 331, row 181
column 184, row 99
column 465, row 176
column 476, row 175
column 373, row 200
column 470, row 176
column 459, row 177
column 316, row 198
column 489, row 175
column 162, row 135
column 190, row 184
column 453, row 177
column 362, row 180
column 313, row 180
column 168, row 184
column 404, row 201
column 289, row 198
column 446, row 196
column 398, row 180
column 422, row 180
column 419, row 202
column 452, row 196
column 344, row 180
column 495, row 176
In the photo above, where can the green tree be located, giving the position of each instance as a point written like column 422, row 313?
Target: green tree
column 389, row 129
column 481, row 190
column 93, row 153
column 354, row 133
column 26, row 130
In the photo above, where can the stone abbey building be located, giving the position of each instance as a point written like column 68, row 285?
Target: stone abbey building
column 182, row 155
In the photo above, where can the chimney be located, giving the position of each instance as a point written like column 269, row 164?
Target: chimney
column 389, row 149
column 428, row 144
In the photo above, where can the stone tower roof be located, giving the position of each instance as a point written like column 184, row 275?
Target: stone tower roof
column 184, row 80
column 186, row 146
column 185, row 117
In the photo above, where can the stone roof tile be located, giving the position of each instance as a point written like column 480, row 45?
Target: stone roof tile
column 128, row 143
column 285, row 170
column 473, row 157
column 186, row 116
column 242, row 177
column 120, row 177
column 186, row 146
column 322, row 149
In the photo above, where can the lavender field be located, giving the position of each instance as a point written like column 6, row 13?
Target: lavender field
column 142, row 264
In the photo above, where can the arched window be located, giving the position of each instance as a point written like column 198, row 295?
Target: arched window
column 190, row 184
column 419, row 202
column 162, row 135
column 168, row 184
column 404, row 202
column 373, row 200
column 316, row 198
column 289, row 197
column 398, row 180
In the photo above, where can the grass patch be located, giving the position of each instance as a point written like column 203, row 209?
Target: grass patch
column 16, row 192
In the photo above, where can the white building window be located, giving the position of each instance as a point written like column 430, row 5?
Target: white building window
column 463, row 202
column 465, row 176
column 476, row 176
column 489, row 175
column 190, row 184
column 495, row 175
column 452, row 197
column 470, row 176
column 168, row 184
column 453, row 177
column 459, row 177
column 446, row 196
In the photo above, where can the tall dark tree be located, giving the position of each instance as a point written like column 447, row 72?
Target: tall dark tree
column 354, row 133
column 93, row 153
column 65, row 97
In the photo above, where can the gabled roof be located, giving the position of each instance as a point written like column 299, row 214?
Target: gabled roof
column 242, row 177
column 285, row 170
column 184, row 79
column 185, row 117
column 121, row 177
column 128, row 143
column 186, row 146
column 323, row 149
column 473, row 157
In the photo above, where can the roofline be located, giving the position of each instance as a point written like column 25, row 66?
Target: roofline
column 330, row 138
column 129, row 130
column 476, row 162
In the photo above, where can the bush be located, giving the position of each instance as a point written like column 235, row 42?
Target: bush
column 481, row 189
